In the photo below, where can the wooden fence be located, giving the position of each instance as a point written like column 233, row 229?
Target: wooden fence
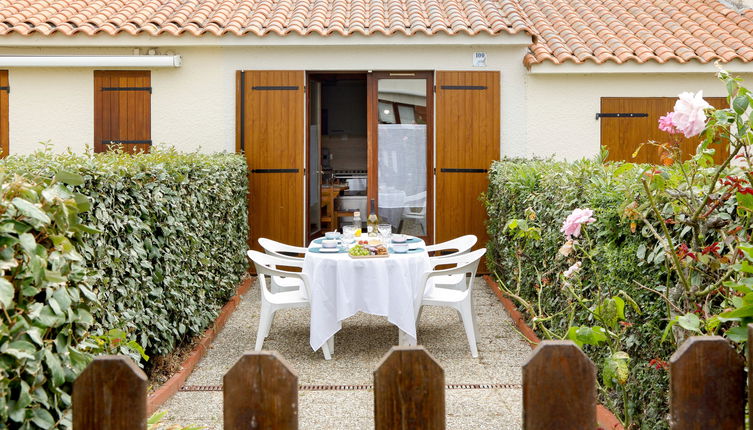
column 707, row 390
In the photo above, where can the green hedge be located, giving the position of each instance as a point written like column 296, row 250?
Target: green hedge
column 173, row 237
column 552, row 190
column 46, row 301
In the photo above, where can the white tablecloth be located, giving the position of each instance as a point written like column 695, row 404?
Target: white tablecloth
column 342, row 286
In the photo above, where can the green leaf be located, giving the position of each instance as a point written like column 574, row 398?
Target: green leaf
column 42, row 418
column 155, row 418
column 82, row 202
column 587, row 335
column 6, row 293
column 667, row 329
column 631, row 302
column 69, row 178
column 626, row 167
column 740, row 104
column 620, row 307
column 56, row 368
column 690, row 321
column 28, row 243
column 745, row 201
column 743, row 312
column 30, row 210
column 737, row 334
column 615, row 369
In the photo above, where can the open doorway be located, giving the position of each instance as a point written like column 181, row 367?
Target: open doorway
column 337, row 153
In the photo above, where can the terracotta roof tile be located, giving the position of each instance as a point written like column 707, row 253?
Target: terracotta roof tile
column 638, row 31
column 261, row 17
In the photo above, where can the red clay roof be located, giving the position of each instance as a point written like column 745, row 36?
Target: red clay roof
column 575, row 31
column 260, row 17
column 637, row 30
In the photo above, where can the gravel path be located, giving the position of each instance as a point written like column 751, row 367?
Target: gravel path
column 362, row 342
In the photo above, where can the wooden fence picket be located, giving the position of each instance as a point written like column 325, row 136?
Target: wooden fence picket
column 260, row 392
column 707, row 385
column 707, row 390
column 110, row 394
column 409, row 391
column 559, row 388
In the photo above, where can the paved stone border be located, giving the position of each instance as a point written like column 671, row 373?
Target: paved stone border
column 169, row 388
column 604, row 416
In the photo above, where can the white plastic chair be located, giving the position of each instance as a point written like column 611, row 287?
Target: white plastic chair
column 462, row 301
column 416, row 201
column 282, row 250
column 460, row 246
column 266, row 266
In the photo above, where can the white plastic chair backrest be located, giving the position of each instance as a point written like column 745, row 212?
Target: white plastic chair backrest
column 462, row 245
column 266, row 265
column 279, row 249
column 465, row 264
column 419, row 198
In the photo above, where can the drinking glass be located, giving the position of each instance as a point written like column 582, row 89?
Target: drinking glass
column 348, row 235
column 385, row 231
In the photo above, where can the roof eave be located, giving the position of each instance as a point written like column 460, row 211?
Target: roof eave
column 520, row 37
column 631, row 67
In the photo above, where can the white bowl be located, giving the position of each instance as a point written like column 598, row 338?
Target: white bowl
column 398, row 238
column 331, row 235
column 400, row 248
column 329, row 243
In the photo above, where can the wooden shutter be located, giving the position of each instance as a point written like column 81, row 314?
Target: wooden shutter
column 273, row 140
column 122, row 110
column 4, row 114
column 622, row 135
column 467, row 124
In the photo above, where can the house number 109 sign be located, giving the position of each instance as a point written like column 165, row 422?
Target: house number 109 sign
column 479, row 59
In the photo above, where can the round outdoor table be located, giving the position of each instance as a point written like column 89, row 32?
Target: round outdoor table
column 342, row 286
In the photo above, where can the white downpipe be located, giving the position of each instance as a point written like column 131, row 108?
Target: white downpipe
column 90, row 61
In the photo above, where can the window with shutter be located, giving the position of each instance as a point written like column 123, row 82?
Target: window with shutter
column 627, row 122
column 122, row 110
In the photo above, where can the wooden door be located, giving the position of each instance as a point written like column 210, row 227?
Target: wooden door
column 122, row 110
column 467, row 124
column 273, row 141
column 622, row 135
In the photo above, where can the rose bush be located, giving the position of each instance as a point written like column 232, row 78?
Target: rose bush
column 676, row 239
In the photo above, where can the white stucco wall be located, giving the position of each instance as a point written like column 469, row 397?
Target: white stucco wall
column 193, row 106
column 561, row 108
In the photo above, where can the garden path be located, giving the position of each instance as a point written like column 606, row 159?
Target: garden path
column 362, row 342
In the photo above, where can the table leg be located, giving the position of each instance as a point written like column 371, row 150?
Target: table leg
column 404, row 339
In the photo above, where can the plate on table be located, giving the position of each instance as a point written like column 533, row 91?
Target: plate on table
column 322, row 250
column 321, row 239
column 410, row 239
column 410, row 251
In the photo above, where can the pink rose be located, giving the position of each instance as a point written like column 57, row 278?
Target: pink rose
column 689, row 116
column 571, row 226
column 665, row 123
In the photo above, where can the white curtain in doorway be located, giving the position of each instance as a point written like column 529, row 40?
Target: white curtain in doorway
column 402, row 168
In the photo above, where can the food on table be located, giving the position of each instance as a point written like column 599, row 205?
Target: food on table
column 358, row 251
column 366, row 250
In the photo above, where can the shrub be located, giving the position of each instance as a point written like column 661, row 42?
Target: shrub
column 173, row 237
column 46, row 300
column 548, row 191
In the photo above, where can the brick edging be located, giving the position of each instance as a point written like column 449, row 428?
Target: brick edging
column 604, row 416
column 169, row 388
